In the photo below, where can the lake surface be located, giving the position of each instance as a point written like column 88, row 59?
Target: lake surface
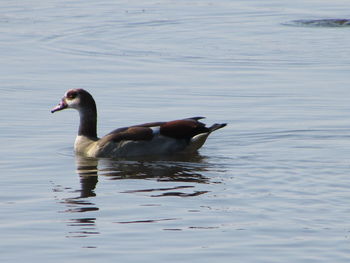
column 272, row 186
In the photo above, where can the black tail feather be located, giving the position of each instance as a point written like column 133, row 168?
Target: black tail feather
column 217, row 126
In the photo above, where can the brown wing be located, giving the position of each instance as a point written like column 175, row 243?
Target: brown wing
column 128, row 134
column 183, row 129
column 178, row 129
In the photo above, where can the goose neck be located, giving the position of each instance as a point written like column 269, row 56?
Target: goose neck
column 88, row 123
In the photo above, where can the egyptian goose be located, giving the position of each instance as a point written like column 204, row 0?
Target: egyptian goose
column 155, row 138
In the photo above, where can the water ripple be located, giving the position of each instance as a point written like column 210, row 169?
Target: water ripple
column 320, row 22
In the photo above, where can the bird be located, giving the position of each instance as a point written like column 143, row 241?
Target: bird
column 161, row 138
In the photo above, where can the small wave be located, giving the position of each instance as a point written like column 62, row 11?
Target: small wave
column 66, row 151
column 320, row 22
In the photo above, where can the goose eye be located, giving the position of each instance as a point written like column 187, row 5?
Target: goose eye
column 71, row 95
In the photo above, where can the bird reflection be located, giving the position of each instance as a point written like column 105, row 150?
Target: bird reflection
column 175, row 169
column 83, row 226
column 185, row 170
column 87, row 171
column 180, row 168
column 171, row 169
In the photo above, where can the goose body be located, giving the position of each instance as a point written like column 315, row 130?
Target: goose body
column 156, row 138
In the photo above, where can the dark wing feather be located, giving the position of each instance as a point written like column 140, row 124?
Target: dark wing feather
column 178, row 129
column 128, row 134
column 183, row 129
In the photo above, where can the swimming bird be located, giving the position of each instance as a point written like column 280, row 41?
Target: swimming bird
column 148, row 139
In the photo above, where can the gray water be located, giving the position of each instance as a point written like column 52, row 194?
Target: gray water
column 272, row 186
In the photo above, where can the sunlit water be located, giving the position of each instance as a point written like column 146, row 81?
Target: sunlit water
column 272, row 186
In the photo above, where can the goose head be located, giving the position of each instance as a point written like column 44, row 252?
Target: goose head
column 71, row 99
column 83, row 102
column 78, row 99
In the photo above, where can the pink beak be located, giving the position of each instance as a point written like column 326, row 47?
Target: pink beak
column 61, row 106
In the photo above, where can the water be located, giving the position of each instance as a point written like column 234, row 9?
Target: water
column 272, row 186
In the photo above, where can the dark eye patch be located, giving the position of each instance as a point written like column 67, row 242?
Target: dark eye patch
column 72, row 94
